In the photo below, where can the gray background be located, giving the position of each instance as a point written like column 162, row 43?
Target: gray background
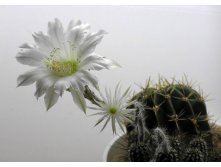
column 145, row 40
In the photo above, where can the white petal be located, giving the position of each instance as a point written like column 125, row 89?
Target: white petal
column 125, row 94
column 96, row 62
column 93, row 35
column 76, row 35
column 77, row 82
column 113, row 124
column 101, row 119
column 119, row 123
column 105, row 124
column 61, row 85
column 91, row 79
column 103, row 97
column 111, row 63
column 31, row 57
column 93, row 58
column 43, row 41
column 42, row 85
column 72, row 24
column 50, row 98
column 90, row 44
column 116, row 93
column 96, row 67
column 30, row 77
column 96, row 108
column 55, row 31
column 26, row 46
column 78, row 98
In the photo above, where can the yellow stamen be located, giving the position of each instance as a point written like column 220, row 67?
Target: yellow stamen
column 62, row 68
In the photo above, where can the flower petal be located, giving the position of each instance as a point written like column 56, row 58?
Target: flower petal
column 50, row 98
column 78, row 98
column 101, row 119
column 90, row 43
column 31, row 57
column 105, row 124
column 72, row 24
column 96, row 62
column 26, row 46
column 43, row 41
column 113, row 124
column 76, row 35
column 61, row 85
column 119, row 123
column 42, row 85
column 90, row 78
column 30, row 77
column 55, row 31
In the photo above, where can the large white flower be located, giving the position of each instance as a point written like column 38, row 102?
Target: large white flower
column 114, row 107
column 62, row 60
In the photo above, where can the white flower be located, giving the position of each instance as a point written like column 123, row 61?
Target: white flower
column 62, row 60
column 114, row 108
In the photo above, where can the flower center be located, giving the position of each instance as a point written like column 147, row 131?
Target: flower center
column 62, row 68
column 113, row 110
column 63, row 62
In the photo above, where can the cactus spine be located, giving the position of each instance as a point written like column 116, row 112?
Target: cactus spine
column 171, row 123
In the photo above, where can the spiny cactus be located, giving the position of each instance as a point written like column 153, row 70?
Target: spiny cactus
column 176, row 145
column 139, row 153
column 201, row 145
column 193, row 155
column 171, row 156
column 178, row 109
column 174, row 106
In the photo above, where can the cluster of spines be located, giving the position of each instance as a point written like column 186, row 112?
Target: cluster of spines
column 195, row 151
column 139, row 153
column 175, row 106
column 201, row 145
column 181, row 110
column 193, row 155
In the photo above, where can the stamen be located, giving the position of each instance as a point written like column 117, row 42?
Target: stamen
column 63, row 68
column 63, row 62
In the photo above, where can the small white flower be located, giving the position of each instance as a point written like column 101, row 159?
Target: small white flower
column 62, row 60
column 114, row 108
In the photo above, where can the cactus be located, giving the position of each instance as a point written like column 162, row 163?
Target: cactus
column 174, row 106
column 170, row 117
column 193, row 155
column 139, row 153
column 201, row 145
column 171, row 156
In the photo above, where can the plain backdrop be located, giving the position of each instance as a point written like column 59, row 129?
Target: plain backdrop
column 145, row 40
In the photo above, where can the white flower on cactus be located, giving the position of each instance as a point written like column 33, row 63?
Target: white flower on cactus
column 114, row 107
column 62, row 60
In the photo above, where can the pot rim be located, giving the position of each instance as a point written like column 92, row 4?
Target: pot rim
column 110, row 144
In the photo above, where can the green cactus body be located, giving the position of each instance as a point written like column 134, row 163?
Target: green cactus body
column 171, row 156
column 178, row 108
column 193, row 155
column 174, row 117
column 139, row 153
column 201, row 145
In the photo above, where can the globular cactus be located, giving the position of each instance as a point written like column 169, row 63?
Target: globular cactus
column 172, row 123
column 176, row 107
column 171, row 156
column 193, row 155
column 201, row 145
column 176, row 145
column 139, row 153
